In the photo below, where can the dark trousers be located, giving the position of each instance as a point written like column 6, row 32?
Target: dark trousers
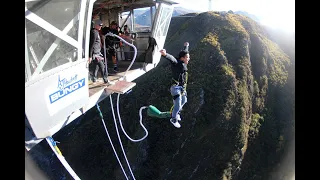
column 99, row 66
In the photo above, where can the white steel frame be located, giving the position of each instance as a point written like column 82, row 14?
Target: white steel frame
column 61, row 35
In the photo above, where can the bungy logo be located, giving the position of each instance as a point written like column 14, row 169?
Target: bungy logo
column 66, row 87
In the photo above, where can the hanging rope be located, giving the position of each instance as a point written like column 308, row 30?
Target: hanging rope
column 105, row 127
column 144, row 107
column 129, row 44
column 140, row 111
column 140, row 114
column 115, row 122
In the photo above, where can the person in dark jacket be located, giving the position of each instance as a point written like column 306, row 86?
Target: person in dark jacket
column 112, row 43
column 178, row 88
column 95, row 56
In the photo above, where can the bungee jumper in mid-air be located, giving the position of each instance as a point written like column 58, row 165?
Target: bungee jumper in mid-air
column 178, row 88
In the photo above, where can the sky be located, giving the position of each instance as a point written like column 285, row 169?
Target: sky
column 278, row 14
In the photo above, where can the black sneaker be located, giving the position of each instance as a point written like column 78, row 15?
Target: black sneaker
column 105, row 80
column 108, row 83
column 115, row 69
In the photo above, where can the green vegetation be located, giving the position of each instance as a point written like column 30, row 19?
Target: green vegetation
column 236, row 24
column 185, row 26
column 256, row 121
column 212, row 40
column 228, row 70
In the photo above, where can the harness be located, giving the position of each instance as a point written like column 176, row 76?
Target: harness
column 182, row 92
column 176, row 83
column 176, row 96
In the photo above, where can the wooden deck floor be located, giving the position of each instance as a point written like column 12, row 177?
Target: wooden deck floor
column 122, row 66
